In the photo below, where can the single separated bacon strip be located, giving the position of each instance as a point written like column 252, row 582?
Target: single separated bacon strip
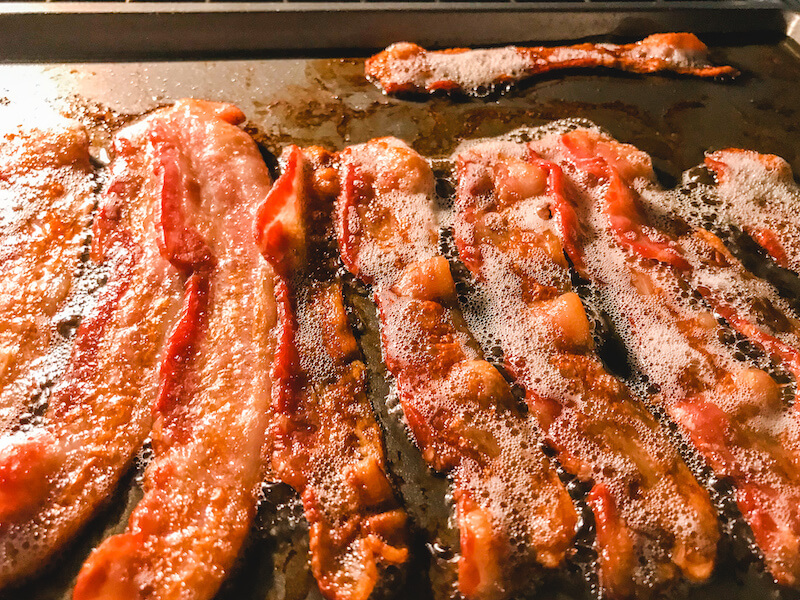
column 327, row 443
column 732, row 411
column 54, row 477
column 757, row 193
column 46, row 195
column 512, row 512
column 654, row 523
column 200, row 490
column 404, row 67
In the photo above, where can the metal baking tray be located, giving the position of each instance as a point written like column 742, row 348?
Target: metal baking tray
column 300, row 80
column 126, row 30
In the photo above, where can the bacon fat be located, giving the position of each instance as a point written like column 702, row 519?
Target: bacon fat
column 208, row 178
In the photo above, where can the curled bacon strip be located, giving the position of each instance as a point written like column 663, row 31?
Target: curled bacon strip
column 45, row 199
column 598, row 428
column 733, row 413
column 758, row 194
column 458, row 407
column 321, row 413
column 53, row 478
column 406, row 67
column 211, row 413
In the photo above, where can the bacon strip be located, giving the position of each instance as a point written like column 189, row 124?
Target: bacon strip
column 511, row 510
column 327, row 443
column 751, row 306
column 46, row 196
column 213, row 403
column 621, row 206
column 54, row 477
column 645, row 501
column 406, row 67
column 757, row 193
column 732, row 412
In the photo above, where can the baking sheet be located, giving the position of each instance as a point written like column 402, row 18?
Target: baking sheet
column 328, row 102
column 141, row 30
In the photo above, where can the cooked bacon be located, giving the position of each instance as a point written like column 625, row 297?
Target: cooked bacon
column 758, row 194
column 327, row 443
column 621, row 209
column 45, row 199
column 751, row 306
column 208, row 179
column 645, row 501
column 404, row 67
column 511, row 510
column 54, row 477
column 732, row 411
column 405, row 230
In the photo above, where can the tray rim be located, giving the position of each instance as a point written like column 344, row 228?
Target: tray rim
column 132, row 31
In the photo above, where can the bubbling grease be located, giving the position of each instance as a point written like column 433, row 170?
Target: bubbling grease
column 36, row 384
column 319, row 366
column 683, row 350
column 499, row 465
column 532, row 334
column 635, row 295
column 404, row 183
column 754, row 192
column 472, row 70
column 46, row 200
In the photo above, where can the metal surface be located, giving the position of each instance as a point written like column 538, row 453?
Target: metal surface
column 39, row 31
column 328, row 102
